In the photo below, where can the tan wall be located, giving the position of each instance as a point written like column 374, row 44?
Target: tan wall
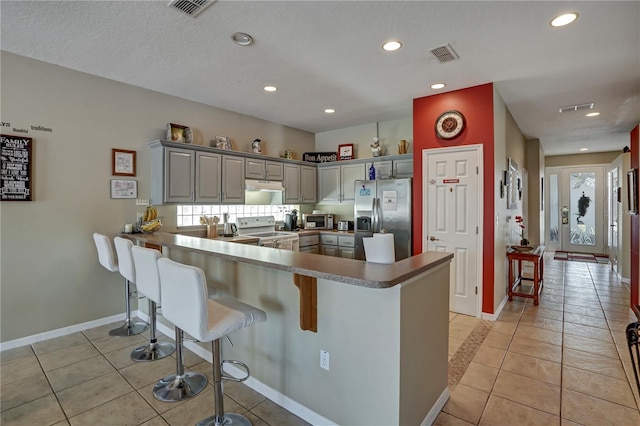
column 50, row 274
column 389, row 132
column 535, row 164
column 581, row 159
column 509, row 142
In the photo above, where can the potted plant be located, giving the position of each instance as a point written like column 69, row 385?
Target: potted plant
column 523, row 239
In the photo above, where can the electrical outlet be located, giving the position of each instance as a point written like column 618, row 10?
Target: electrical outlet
column 142, row 202
column 324, row 359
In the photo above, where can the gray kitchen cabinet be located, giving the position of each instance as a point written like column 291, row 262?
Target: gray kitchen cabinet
column 346, row 246
column 392, row 169
column 263, row 169
column 208, row 177
column 232, row 179
column 335, row 182
column 337, row 245
column 309, row 244
column 299, row 184
column 172, row 175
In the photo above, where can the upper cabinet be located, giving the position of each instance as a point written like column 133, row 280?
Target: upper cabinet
column 181, row 175
column 232, row 179
column 392, row 169
column 172, row 175
column 263, row 169
column 336, row 182
column 299, row 184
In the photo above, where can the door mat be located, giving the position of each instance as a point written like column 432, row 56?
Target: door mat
column 581, row 257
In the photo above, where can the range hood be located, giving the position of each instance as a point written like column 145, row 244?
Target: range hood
column 263, row 185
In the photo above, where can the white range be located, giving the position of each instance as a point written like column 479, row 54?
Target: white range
column 264, row 227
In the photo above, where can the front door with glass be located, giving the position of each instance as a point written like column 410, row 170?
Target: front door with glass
column 577, row 214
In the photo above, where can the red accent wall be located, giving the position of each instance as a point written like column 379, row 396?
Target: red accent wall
column 476, row 104
column 635, row 219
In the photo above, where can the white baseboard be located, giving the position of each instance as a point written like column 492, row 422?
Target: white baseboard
column 494, row 316
column 274, row 395
column 435, row 410
column 64, row 331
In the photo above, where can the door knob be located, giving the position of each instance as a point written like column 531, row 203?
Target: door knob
column 432, row 238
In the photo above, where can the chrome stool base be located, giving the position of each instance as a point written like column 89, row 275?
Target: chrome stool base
column 227, row 419
column 176, row 388
column 129, row 329
column 153, row 351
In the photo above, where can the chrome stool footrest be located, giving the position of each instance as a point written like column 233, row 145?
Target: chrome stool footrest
column 241, row 365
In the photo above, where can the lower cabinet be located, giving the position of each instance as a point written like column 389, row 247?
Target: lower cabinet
column 309, row 244
column 337, row 245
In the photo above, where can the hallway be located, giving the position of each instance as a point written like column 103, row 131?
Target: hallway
column 564, row 362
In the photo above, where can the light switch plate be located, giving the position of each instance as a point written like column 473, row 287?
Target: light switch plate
column 142, row 202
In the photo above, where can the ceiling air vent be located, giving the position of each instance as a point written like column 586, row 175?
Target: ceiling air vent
column 190, row 7
column 572, row 108
column 445, row 53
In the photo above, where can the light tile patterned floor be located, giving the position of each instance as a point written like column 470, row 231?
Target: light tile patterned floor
column 564, row 362
column 88, row 378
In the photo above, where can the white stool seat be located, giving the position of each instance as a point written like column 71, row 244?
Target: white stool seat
column 145, row 263
column 127, row 270
column 186, row 304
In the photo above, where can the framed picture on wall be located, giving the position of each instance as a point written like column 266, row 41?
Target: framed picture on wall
column 632, row 190
column 512, row 185
column 124, row 188
column 123, row 162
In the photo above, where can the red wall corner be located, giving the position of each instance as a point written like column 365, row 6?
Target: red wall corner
column 476, row 104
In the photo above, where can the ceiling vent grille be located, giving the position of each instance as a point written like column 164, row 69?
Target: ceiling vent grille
column 444, row 53
column 573, row 108
column 190, row 7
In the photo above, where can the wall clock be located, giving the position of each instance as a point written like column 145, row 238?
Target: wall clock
column 450, row 124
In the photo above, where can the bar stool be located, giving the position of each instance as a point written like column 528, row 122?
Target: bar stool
column 127, row 270
column 107, row 259
column 186, row 304
column 145, row 262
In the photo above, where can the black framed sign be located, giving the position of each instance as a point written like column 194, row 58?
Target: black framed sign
column 15, row 178
column 632, row 190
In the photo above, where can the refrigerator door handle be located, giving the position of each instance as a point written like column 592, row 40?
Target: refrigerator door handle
column 376, row 214
column 373, row 215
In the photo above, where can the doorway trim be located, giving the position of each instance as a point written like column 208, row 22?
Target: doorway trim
column 479, row 151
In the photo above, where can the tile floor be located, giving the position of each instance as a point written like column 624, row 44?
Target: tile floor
column 564, row 362
column 88, row 378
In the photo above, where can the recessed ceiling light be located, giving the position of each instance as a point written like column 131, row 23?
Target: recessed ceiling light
column 329, row 110
column 270, row 88
column 592, row 114
column 242, row 39
column 437, row 86
column 564, row 19
column 390, row 46
column 584, row 149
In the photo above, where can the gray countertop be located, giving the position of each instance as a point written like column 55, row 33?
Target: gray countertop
column 349, row 271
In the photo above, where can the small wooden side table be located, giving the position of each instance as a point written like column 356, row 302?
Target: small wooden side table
column 537, row 258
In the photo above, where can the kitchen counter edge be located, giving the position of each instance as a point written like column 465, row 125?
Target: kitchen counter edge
column 348, row 271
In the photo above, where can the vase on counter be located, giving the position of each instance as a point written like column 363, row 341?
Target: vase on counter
column 524, row 242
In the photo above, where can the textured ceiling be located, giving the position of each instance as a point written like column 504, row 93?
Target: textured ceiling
column 328, row 53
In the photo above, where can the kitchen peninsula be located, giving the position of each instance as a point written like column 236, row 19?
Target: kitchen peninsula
column 384, row 326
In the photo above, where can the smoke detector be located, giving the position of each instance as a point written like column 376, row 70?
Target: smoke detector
column 190, row 7
column 445, row 53
column 580, row 107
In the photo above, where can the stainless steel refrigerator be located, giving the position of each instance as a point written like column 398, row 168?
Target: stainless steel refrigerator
column 383, row 204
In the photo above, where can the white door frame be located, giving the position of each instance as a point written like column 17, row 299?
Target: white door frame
column 478, row 149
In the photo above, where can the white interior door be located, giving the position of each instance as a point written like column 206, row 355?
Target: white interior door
column 583, row 209
column 452, row 193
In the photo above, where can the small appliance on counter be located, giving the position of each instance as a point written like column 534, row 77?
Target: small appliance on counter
column 345, row 225
column 291, row 221
column 318, row 221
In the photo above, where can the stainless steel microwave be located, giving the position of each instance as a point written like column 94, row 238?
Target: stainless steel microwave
column 317, row 221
